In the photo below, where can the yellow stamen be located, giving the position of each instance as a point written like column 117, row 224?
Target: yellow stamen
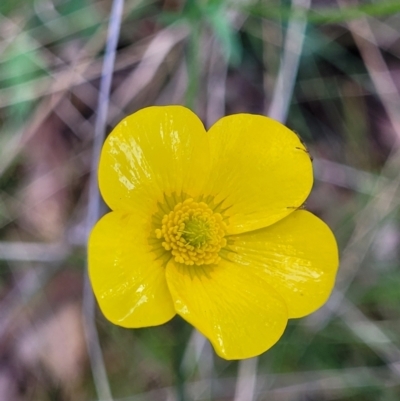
column 193, row 233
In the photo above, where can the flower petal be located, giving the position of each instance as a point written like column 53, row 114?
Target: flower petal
column 261, row 171
column 128, row 281
column 237, row 311
column 155, row 151
column 297, row 256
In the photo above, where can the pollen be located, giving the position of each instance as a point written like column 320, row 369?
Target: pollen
column 193, row 233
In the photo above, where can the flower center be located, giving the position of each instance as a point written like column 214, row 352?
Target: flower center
column 193, row 233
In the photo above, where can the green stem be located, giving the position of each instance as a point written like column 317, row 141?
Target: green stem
column 180, row 382
column 179, row 333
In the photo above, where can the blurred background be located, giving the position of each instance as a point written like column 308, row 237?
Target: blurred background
column 330, row 69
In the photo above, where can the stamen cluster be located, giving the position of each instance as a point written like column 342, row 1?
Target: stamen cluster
column 193, row 233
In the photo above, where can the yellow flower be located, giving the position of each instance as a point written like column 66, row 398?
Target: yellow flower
column 206, row 225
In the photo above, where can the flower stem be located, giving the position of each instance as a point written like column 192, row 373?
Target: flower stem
column 179, row 382
column 179, row 330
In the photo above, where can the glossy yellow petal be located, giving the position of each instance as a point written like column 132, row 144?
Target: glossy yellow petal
column 127, row 278
column 155, row 151
column 236, row 310
column 261, row 171
column 298, row 256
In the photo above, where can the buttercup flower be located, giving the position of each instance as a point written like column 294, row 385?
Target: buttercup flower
column 207, row 225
